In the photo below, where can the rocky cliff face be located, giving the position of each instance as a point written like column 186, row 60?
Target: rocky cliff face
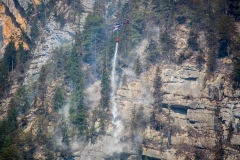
column 200, row 112
column 199, row 107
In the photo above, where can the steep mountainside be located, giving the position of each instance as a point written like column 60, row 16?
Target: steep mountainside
column 163, row 86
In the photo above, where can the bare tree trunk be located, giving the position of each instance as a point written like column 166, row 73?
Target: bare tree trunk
column 12, row 63
column 169, row 127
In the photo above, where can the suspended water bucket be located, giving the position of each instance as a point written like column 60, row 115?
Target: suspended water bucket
column 117, row 40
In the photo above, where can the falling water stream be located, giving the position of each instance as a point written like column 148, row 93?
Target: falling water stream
column 114, row 108
column 118, row 129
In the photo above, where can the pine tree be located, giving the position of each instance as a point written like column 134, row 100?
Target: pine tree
column 169, row 126
column 23, row 104
column 81, row 108
column 226, row 29
column 78, row 109
column 93, row 35
column 58, row 99
column 153, row 120
column 167, row 43
column 105, row 87
column 105, row 96
column 34, row 31
column 3, row 77
column 124, row 80
column 102, row 117
column 65, row 135
column 211, row 38
column 137, row 67
column 157, row 94
column 12, row 116
column 152, row 52
column 230, row 131
column 23, row 54
column 133, row 118
column 192, row 40
column 99, row 7
column 133, row 122
column 72, row 67
column 10, row 56
column 199, row 61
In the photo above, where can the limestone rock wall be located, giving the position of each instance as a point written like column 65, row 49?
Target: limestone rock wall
column 193, row 111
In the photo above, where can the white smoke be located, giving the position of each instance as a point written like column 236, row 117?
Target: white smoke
column 63, row 115
column 104, row 147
